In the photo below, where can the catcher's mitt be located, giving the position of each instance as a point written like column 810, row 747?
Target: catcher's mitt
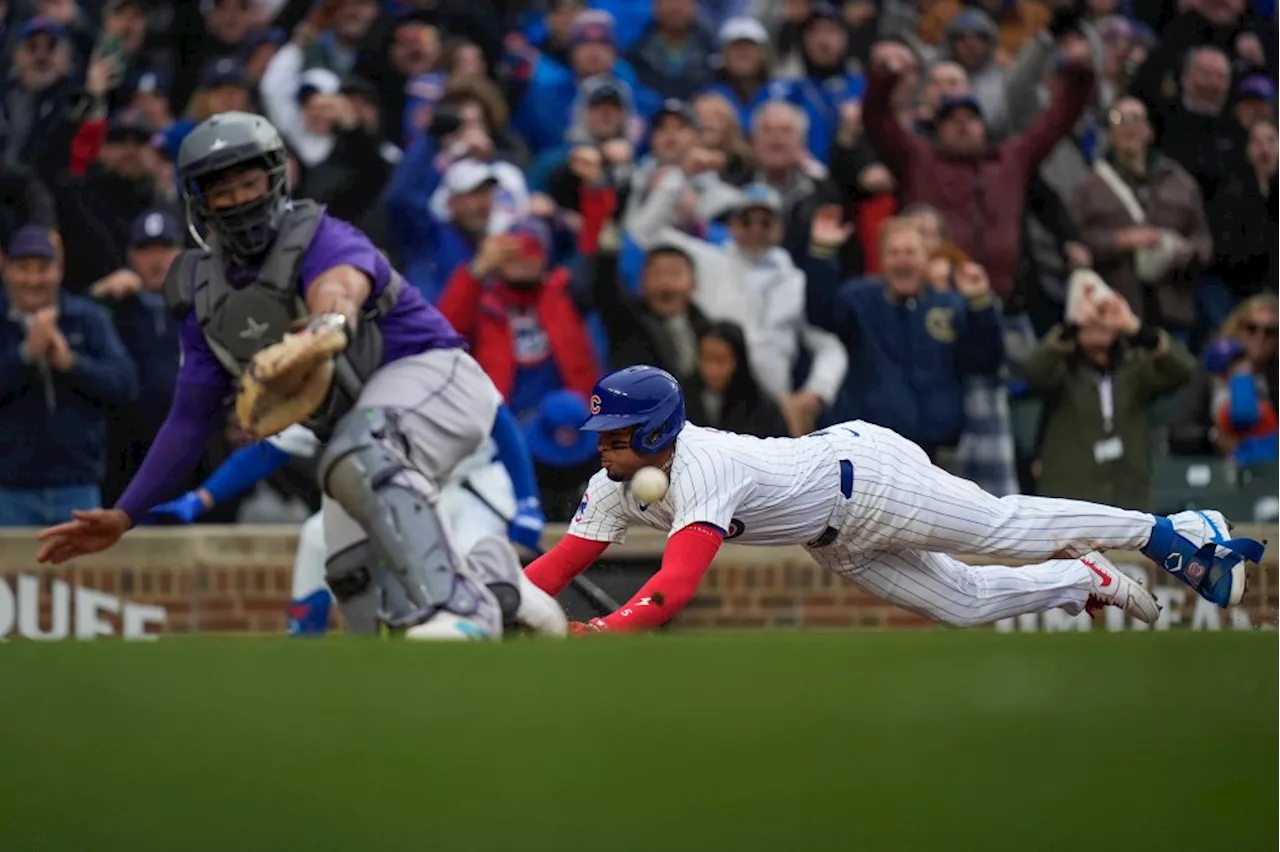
column 288, row 380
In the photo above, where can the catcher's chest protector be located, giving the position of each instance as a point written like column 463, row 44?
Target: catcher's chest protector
column 239, row 322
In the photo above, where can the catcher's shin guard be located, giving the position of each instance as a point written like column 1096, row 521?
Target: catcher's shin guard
column 366, row 469
column 367, row 595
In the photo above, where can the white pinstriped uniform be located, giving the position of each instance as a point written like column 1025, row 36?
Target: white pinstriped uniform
column 869, row 505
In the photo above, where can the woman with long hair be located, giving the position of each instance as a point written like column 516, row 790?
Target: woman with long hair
column 719, row 129
column 723, row 394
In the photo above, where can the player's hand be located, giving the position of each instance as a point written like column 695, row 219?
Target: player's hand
column 972, row 281
column 828, row 229
column 117, row 285
column 581, row 628
column 587, row 164
column 89, row 531
column 527, row 525
column 183, row 510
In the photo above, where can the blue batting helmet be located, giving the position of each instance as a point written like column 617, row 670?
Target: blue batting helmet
column 642, row 396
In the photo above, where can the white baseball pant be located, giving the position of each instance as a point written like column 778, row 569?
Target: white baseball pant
column 905, row 515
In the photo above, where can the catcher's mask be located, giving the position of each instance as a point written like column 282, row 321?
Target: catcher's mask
column 226, row 145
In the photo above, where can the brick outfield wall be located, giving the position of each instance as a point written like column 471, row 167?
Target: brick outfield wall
column 212, row 579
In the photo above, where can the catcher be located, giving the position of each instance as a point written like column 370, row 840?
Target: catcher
column 318, row 329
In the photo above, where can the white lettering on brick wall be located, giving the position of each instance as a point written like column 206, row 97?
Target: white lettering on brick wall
column 77, row 613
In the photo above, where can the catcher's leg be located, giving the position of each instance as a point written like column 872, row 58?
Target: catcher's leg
column 311, row 601
column 415, row 572
column 416, row 419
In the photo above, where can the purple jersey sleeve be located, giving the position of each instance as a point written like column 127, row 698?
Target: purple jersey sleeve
column 196, row 411
column 337, row 243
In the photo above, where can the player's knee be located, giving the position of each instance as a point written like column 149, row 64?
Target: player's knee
column 366, row 450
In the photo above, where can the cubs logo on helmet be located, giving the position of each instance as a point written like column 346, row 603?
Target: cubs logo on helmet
column 644, row 399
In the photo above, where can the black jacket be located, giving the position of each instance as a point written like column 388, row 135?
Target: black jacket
column 96, row 212
column 1243, row 222
column 636, row 334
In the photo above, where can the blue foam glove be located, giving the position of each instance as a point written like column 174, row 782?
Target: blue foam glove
column 184, row 509
column 526, row 527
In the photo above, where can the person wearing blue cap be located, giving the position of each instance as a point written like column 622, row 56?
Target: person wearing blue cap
column 224, row 87
column 148, row 93
column 545, row 111
column 61, row 366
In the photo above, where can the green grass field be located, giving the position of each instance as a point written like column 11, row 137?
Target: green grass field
column 919, row 741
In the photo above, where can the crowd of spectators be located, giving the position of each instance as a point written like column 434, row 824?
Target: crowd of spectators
column 922, row 213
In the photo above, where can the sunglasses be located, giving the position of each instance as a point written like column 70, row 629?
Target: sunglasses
column 1265, row 330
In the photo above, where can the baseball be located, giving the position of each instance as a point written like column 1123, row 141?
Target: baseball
column 649, row 485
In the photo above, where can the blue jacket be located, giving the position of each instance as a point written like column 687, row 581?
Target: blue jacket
column 681, row 77
column 429, row 250
column 546, row 110
column 907, row 359
column 54, row 424
column 821, row 100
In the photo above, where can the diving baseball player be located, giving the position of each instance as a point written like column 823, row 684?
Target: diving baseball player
column 490, row 494
column 867, row 504
column 318, row 328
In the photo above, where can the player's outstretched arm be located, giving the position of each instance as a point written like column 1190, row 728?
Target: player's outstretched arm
column 685, row 561
column 556, row 568
column 242, row 470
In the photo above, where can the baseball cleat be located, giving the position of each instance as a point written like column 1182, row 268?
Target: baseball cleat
column 1193, row 547
column 1113, row 587
column 447, row 626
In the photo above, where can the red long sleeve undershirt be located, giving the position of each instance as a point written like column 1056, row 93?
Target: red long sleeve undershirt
column 686, row 559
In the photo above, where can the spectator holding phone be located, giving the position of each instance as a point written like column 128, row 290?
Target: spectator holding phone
column 1099, row 374
column 521, row 320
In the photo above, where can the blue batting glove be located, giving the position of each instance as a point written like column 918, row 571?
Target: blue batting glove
column 526, row 526
column 184, row 509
